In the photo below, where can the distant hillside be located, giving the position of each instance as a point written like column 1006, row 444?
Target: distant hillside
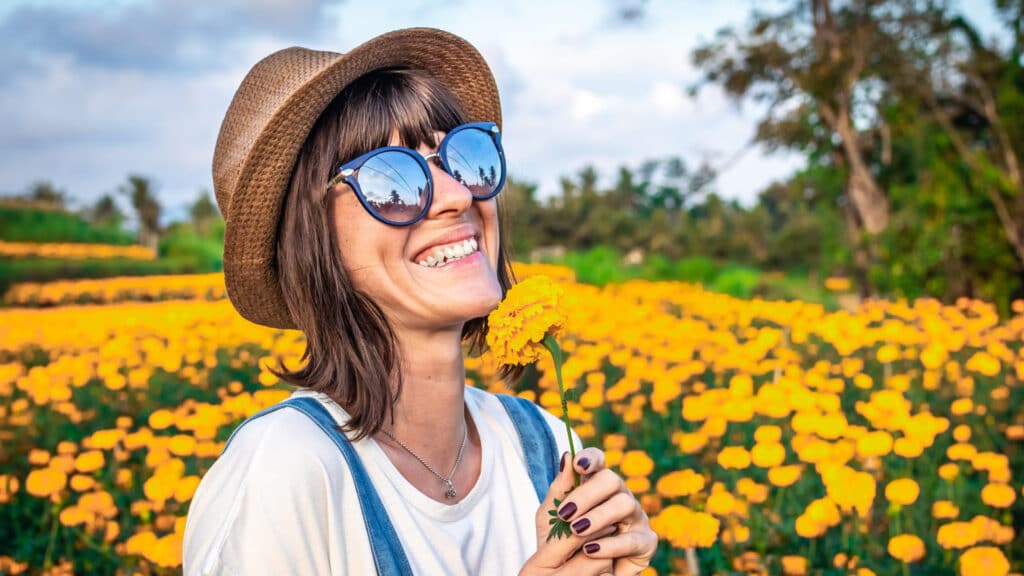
column 38, row 224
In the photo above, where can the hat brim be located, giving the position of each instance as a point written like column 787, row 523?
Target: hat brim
column 250, row 270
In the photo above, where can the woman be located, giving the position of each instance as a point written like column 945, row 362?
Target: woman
column 359, row 192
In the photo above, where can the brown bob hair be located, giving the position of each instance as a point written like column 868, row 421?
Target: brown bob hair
column 351, row 352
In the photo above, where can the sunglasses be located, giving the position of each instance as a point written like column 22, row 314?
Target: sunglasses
column 394, row 184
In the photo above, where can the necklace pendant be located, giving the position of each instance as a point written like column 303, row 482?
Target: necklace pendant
column 450, row 492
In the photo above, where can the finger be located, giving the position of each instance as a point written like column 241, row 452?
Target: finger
column 632, row 550
column 602, row 485
column 552, row 553
column 588, row 462
column 583, row 564
column 609, row 513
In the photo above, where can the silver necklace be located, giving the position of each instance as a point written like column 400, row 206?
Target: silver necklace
column 449, row 493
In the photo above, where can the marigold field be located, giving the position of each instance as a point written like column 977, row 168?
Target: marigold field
column 761, row 437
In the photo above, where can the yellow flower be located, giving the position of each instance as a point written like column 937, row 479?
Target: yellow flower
column 684, row 528
column 794, row 565
column 767, row 434
column 516, row 328
column 949, row 471
column 957, row 535
column 906, row 548
column 768, row 455
column 783, row 476
column 680, row 483
column 45, row 482
column 984, row 561
column 903, row 491
column 89, row 461
column 983, row 363
column 734, row 457
column 636, row 463
column 998, row 495
column 945, row 510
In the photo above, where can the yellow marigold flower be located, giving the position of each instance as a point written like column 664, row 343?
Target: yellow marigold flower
column 768, row 455
column 680, row 483
column 958, row 535
column 182, row 445
column 998, row 495
column 907, row 448
column 933, row 356
column 983, row 363
column 903, row 491
column 962, row 433
column 877, row 443
column 89, row 461
column 81, row 482
column 961, row 406
column 684, row 528
column 906, row 548
column 734, row 457
column 944, row 510
column 45, row 482
column 161, row 419
column 38, row 457
column 8, row 487
column 864, row 572
column 516, row 328
column 721, row 503
column 73, row 516
column 888, row 354
column 754, row 493
column 783, row 476
column 794, row 565
column 984, row 561
column 636, row 463
column 949, row 471
column 767, row 434
column 636, row 484
column 961, row 452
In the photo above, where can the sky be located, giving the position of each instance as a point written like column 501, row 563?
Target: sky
column 94, row 90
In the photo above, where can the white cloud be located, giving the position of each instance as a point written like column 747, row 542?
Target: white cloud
column 668, row 98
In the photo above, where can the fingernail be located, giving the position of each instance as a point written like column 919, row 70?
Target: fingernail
column 592, row 547
column 567, row 510
column 583, row 462
column 581, row 525
column 561, row 464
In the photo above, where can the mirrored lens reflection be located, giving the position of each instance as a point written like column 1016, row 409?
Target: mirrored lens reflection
column 394, row 184
column 474, row 161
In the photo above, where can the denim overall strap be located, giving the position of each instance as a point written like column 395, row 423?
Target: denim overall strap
column 388, row 554
column 538, row 442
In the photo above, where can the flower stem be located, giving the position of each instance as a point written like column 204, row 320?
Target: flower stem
column 556, row 355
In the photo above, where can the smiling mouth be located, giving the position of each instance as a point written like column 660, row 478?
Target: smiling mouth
column 449, row 253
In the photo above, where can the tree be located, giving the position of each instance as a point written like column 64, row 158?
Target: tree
column 139, row 191
column 203, row 212
column 44, row 192
column 105, row 213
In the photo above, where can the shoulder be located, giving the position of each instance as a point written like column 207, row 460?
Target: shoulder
column 490, row 403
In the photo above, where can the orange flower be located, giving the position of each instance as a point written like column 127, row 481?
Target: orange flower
column 734, row 457
column 531, row 310
column 984, row 561
column 906, row 548
column 680, row 483
column 903, row 491
column 783, row 476
column 998, row 495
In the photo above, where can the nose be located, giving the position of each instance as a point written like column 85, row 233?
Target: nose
column 451, row 198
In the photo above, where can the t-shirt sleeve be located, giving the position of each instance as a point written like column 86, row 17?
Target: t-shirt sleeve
column 262, row 508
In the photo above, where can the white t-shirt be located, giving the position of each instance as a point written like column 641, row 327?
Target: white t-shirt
column 281, row 500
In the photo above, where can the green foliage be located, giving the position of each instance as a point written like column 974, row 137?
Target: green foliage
column 19, row 224
column 738, row 281
column 182, row 243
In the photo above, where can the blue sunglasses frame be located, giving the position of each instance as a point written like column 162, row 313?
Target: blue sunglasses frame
column 347, row 172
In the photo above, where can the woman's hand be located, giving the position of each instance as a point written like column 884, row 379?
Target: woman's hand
column 608, row 524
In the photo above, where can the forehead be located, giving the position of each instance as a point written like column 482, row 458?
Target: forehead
column 395, row 139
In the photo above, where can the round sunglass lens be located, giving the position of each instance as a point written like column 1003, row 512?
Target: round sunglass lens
column 394, row 185
column 474, row 161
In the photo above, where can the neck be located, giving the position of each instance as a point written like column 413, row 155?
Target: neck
column 430, row 414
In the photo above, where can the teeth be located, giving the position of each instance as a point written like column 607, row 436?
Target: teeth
column 442, row 256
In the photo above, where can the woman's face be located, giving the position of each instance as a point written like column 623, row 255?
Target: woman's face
column 383, row 261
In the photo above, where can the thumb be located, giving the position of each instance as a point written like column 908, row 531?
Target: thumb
column 562, row 483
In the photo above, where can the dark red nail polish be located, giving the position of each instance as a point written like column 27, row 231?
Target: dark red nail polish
column 592, row 547
column 567, row 510
column 581, row 525
column 584, row 462
column 561, row 464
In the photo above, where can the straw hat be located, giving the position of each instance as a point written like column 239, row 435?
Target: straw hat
column 268, row 121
